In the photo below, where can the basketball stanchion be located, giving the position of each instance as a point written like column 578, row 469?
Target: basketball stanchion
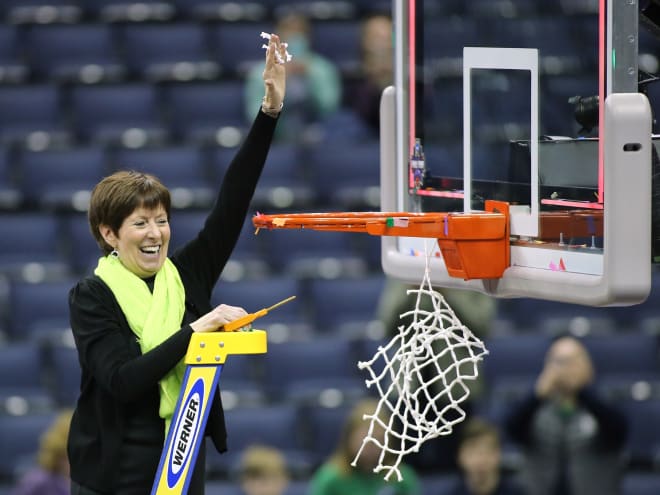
column 205, row 359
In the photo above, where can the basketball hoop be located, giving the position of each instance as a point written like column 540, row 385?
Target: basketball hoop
column 421, row 374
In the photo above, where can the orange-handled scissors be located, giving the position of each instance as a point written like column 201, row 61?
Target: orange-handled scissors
column 244, row 321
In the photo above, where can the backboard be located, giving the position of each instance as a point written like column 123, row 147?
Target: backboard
column 488, row 98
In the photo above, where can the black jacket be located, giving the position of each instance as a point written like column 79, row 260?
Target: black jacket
column 117, row 379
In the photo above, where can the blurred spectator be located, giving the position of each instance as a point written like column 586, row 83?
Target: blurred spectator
column 313, row 82
column 51, row 474
column 479, row 455
column 263, row 471
column 337, row 476
column 572, row 439
column 377, row 70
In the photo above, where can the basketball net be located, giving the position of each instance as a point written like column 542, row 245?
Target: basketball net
column 420, row 377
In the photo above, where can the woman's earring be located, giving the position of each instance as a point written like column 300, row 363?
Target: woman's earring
column 114, row 253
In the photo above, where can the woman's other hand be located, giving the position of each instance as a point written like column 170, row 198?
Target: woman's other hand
column 217, row 317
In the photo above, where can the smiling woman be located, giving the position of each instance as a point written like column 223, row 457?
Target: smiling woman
column 132, row 319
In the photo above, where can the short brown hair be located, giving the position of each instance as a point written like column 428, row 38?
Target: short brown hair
column 479, row 428
column 259, row 461
column 118, row 195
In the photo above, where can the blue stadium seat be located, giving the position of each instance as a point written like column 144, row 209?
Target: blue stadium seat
column 255, row 294
column 444, row 39
column 32, row 251
column 277, row 426
column 13, row 68
column 40, row 11
column 283, row 183
column 127, row 114
column 306, row 253
column 22, row 379
column 303, row 371
column 32, row 115
column 624, row 354
column 181, row 168
column 237, row 46
column 247, row 260
column 324, row 428
column 643, row 443
column 10, row 194
column 514, row 360
column 65, row 378
column 640, row 483
column 199, row 110
column 78, row 52
column 61, row 178
column 20, row 441
column 323, row 11
column 339, row 42
column 168, row 52
column 52, row 318
column 349, row 177
column 82, row 251
column 129, row 10
column 223, row 10
column 346, row 304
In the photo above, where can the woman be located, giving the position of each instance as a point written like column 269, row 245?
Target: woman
column 133, row 319
column 337, row 477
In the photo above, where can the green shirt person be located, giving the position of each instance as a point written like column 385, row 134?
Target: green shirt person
column 336, row 476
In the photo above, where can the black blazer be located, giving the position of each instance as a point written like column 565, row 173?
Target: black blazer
column 116, row 377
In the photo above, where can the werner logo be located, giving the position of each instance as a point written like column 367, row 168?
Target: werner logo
column 186, row 429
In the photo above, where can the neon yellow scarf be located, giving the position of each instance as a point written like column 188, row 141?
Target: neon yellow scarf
column 152, row 317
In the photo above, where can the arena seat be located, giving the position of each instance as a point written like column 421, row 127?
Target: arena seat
column 275, row 425
column 32, row 115
column 82, row 251
column 32, row 251
column 303, row 371
column 181, row 168
column 357, row 297
column 13, row 68
column 125, row 113
column 74, row 53
column 10, row 194
column 52, row 317
column 138, row 11
column 23, row 387
column 237, row 46
column 61, row 178
column 175, row 51
column 65, row 378
column 198, row 111
column 20, row 440
column 349, row 177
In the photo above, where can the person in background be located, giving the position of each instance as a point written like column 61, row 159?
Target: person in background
column 263, row 471
column 133, row 319
column 363, row 93
column 51, row 475
column 314, row 85
column 571, row 438
column 337, row 476
column 479, row 458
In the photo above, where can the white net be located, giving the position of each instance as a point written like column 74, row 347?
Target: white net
column 420, row 378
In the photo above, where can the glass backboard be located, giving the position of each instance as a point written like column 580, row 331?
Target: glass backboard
column 535, row 106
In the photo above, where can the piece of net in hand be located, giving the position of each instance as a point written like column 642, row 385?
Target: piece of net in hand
column 420, row 376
